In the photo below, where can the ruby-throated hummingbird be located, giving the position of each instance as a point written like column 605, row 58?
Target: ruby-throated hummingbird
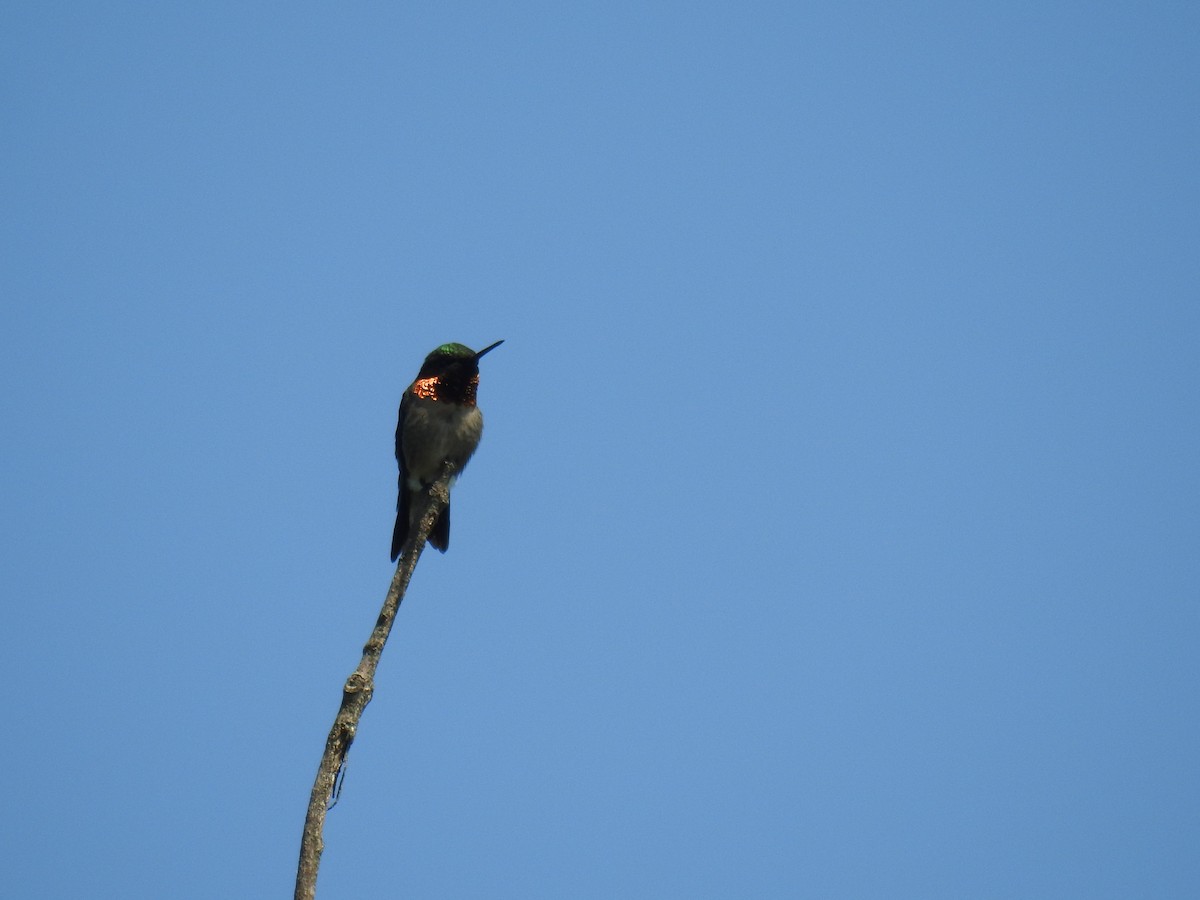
column 439, row 421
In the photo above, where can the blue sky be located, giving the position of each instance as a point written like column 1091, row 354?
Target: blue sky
column 836, row 527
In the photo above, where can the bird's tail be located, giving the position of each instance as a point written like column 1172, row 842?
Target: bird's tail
column 399, row 533
column 439, row 535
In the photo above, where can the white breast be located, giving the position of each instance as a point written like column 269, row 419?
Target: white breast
column 435, row 432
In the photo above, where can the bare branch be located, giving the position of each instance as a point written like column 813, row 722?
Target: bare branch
column 356, row 693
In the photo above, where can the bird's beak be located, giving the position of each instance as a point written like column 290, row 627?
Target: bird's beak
column 487, row 348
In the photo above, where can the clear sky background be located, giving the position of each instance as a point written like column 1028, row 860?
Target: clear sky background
column 836, row 527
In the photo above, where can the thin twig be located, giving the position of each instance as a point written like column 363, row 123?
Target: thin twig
column 356, row 693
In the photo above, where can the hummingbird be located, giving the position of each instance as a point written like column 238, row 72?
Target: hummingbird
column 438, row 422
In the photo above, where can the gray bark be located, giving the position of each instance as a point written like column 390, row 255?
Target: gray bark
column 356, row 693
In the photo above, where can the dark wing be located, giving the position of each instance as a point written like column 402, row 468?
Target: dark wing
column 400, row 532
